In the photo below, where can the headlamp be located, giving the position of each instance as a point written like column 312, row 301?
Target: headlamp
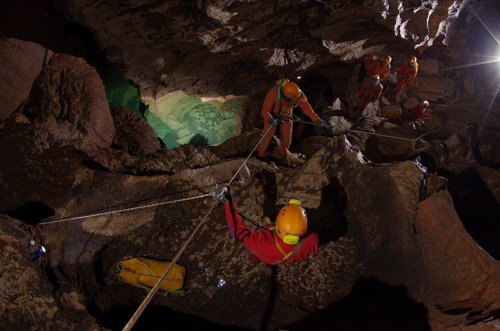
column 291, row 239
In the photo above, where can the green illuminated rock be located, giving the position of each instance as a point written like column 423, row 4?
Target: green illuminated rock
column 179, row 119
column 121, row 92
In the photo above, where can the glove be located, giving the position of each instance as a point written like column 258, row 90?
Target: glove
column 223, row 193
column 322, row 123
column 273, row 121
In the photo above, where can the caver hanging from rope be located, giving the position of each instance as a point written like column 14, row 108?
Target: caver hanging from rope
column 286, row 243
column 277, row 108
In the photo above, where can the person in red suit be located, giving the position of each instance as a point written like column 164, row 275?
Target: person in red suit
column 370, row 91
column 286, row 243
column 417, row 112
column 407, row 73
column 277, row 108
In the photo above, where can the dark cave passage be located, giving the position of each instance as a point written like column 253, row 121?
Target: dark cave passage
column 478, row 209
column 32, row 212
column 328, row 219
column 158, row 317
column 322, row 86
column 120, row 92
column 475, row 205
column 371, row 305
column 473, row 200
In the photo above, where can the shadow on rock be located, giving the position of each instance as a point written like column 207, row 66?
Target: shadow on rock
column 328, row 219
column 371, row 305
column 156, row 317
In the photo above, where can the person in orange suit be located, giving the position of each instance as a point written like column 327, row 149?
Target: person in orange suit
column 383, row 68
column 375, row 66
column 407, row 73
column 277, row 109
column 370, row 62
column 370, row 91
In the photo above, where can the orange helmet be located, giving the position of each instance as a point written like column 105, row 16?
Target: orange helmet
column 291, row 222
column 291, row 91
column 413, row 59
column 387, row 59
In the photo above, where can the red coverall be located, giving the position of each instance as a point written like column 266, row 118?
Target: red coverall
column 273, row 109
column 368, row 93
column 416, row 112
column 406, row 75
column 262, row 244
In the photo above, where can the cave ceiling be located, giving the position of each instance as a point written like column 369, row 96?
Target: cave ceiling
column 116, row 115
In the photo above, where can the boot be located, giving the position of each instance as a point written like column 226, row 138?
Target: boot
column 291, row 160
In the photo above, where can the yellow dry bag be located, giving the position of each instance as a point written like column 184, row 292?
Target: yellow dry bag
column 142, row 272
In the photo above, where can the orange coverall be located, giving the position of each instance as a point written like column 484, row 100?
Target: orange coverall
column 406, row 75
column 273, row 108
column 368, row 92
column 371, row 62
column 375, row 66
column 382, row 70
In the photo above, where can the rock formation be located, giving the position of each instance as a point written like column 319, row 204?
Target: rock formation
column 406, row 211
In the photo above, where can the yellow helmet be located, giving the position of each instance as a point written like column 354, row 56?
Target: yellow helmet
column 291, row 91
column 413, row 59
column 387, row 59
column 291, row 222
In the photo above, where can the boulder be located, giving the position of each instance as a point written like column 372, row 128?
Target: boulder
column 22, row 61
column 68, row 105
column 133, row 133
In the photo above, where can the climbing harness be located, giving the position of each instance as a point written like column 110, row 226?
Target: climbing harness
column 288, row 255
column 280, row 83
column 414, row 141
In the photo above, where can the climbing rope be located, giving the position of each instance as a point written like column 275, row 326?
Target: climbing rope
column 155, row 288
column 159, row 203
column 250, row 154
column 125, row 209
column 413, row 141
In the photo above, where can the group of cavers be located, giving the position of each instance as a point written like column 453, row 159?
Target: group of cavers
column 288, row 241
column 375, row 71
